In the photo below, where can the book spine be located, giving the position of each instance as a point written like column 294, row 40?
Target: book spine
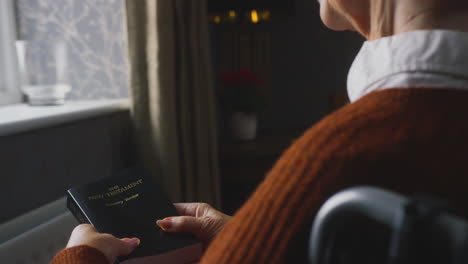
column 76, row 210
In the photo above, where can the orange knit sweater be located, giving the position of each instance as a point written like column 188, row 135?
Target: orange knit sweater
column 406, row 140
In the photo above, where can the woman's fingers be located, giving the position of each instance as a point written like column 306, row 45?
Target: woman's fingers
column 188, row 209
column 108, row 244
column 127, row 245
column 193, row 209
column 199, row 219
column 202, row 227
column 185, row 224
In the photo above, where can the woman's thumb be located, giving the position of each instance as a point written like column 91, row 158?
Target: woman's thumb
column 127, row 245
column 186, row 224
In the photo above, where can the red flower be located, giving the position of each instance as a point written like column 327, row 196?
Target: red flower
column 241, row 77
column 241, row 92
column 228, row 78
column 258, row 81
column 244, row 76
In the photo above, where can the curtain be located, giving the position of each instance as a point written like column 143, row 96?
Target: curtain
column 9, row 86
column 173, row 96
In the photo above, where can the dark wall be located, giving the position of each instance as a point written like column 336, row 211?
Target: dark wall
column 38, row 166
column 310, row 63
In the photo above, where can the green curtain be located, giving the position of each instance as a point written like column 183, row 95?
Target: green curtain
column 173, row 96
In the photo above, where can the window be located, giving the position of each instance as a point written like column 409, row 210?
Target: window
column 9, row 77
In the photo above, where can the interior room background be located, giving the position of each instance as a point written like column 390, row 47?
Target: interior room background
column 309, row 65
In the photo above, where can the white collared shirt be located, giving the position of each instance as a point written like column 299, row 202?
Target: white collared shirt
column 423, row 58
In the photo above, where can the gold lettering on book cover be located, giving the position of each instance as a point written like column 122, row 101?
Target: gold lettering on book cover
column 115, row 203
column 121, row 202
column 132, row 197
column 116, row 190
column 96, row 197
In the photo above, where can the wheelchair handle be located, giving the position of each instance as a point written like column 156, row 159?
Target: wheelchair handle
column 388, row 209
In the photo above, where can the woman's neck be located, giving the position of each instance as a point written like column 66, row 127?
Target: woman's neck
column 411, row 15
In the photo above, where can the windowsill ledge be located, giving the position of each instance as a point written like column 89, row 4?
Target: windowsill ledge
column 22, row 117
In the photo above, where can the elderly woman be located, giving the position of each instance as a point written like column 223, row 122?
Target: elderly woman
column 405, row 130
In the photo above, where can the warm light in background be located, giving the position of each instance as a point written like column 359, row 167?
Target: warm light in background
column 254, row 16
column 266, row 15
column 232, row 14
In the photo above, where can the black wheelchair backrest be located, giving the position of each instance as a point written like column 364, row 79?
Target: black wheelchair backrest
column 367, row 225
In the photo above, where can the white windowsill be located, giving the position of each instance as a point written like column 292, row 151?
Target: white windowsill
column 22, row 117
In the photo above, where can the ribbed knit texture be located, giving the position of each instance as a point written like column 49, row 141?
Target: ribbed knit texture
column 406, row 140
column 80, row 255
column 410, row 141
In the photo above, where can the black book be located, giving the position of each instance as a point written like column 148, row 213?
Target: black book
column 128, row 205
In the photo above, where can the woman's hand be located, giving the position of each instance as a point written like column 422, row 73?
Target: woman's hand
column 109, row 245
column 200, row 219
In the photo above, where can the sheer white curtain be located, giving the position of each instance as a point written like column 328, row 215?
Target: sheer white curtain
column 9, row 78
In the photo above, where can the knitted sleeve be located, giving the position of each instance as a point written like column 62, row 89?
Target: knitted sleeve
column 396, row 139
column 80, row 255
column 282, row 208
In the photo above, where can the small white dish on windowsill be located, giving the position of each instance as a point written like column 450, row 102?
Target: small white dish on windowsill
column 46, row 94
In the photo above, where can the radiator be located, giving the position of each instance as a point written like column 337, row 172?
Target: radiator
column 35, row 237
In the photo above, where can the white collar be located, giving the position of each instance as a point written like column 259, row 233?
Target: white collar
column 424, row 58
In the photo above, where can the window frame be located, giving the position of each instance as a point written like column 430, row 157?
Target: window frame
column 10, row 92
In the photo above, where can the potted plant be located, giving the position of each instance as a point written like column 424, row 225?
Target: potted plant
column 242, row 100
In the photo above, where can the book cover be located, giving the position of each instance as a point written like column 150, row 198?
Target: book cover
column 128, row 205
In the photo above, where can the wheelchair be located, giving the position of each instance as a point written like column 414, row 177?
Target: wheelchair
column 368, row 225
